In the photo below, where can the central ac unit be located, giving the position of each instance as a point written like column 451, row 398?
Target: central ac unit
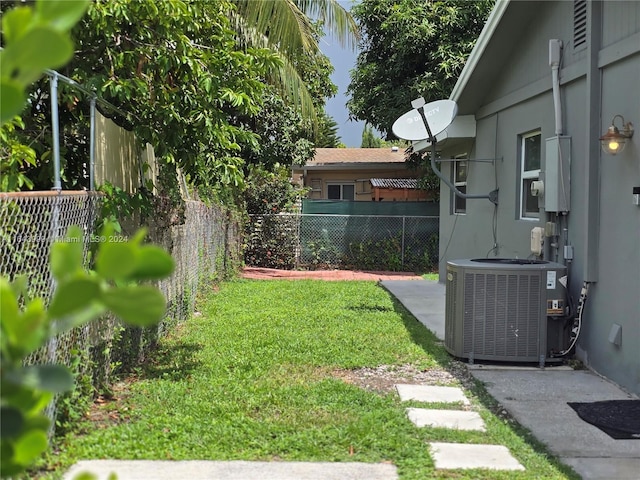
column 501, row 309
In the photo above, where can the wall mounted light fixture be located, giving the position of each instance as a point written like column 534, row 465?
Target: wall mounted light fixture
column 615, row 140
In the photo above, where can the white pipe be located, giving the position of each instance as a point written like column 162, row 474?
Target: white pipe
column 555, row 49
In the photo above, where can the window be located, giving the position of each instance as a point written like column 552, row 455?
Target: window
column 530, row 149
column 459, row 179
column 341, row 191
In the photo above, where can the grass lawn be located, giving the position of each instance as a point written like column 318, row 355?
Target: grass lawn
column 259, row 375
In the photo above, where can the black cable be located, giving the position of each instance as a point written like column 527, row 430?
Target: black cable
column 577, row 322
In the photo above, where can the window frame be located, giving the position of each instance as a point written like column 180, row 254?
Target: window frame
column 342, row 185
column 528, row 176
column 455, row 200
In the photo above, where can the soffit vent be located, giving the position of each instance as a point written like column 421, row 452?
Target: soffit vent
column 579, row 24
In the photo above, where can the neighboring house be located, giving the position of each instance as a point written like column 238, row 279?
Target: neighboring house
column 531, row 129
column 346, row 174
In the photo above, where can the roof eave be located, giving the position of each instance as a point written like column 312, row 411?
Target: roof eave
column 352, row 166
column 478, row 50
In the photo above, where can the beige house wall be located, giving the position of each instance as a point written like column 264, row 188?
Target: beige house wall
column 318, row 180
column 118, row 159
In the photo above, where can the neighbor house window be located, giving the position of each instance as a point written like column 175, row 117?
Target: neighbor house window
column 530, row 149
column 341, row 191
column 459, row 179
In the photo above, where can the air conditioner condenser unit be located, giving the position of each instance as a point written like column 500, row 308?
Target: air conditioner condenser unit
column 503, row 309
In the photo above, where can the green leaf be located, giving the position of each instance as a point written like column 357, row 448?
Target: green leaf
column 86, row 476
column 9, row 312
column 20, row 285
column 47, row 378
column 11, row 422
column 12, row 98
column 31, row 330
column 136, row 305
column 38, row 49
column 61, row 14
column 74, row 295
column 81, row 317
column 29, row 447
column 116, row 260
column 66, row 255
column 15, row 23
column 153, row 264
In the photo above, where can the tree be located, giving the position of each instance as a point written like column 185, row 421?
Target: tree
column 286, row 27
column 369, row 140
column 410, row 49
column 174, row 72
column 283, row 137
column 286, row 136
column 327, row 136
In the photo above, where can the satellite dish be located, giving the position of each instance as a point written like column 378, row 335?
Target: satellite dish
column 439, row 114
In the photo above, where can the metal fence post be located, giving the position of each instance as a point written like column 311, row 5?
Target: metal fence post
column 403, row 230
column 92, row 142
column 55, row 130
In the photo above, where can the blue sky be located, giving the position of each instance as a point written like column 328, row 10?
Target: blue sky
column 343, row 60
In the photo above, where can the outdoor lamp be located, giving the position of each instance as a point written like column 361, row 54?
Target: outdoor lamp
column 614, row 141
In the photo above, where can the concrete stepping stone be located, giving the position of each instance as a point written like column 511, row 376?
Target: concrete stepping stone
column 451, row 456
column 431, row 393
column 454, row 419
column 233, row 470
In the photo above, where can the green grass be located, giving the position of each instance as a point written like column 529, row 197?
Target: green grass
column 251, row 379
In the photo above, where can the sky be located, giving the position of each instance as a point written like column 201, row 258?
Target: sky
column 343, row 60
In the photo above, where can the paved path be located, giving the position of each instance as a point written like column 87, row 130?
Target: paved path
column 537, row 398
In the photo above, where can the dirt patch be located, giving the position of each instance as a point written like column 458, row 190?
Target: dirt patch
column 112, row 409
column 383, row 378
column 258, row 273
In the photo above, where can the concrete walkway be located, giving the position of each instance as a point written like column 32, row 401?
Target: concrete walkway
column 537, row 398
column 237, row 470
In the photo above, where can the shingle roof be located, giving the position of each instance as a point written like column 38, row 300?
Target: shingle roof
column 327, row 156
column 410, row 183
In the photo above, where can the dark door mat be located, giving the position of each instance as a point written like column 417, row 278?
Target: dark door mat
column 620, row 419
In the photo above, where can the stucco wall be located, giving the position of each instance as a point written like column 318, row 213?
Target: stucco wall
column 616, row 295
column 520, row 101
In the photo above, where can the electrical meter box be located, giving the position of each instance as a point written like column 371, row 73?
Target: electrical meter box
column 557, row 193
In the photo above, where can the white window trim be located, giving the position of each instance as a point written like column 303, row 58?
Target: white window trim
column 527, row 175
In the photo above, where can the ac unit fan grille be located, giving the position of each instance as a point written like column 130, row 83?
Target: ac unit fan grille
column 502, row 315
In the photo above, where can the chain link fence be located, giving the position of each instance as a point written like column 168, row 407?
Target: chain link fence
column 203, row 246
column 365, row 242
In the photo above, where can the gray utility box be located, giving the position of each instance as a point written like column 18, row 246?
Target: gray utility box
column 504, row 309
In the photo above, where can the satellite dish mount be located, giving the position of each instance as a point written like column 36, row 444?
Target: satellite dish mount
column 441, row 113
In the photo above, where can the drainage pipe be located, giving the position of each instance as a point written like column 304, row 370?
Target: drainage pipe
column 555, row 52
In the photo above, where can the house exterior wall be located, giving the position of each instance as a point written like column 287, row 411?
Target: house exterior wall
column 616, row 295
column 360, row 178
column 602, row 225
